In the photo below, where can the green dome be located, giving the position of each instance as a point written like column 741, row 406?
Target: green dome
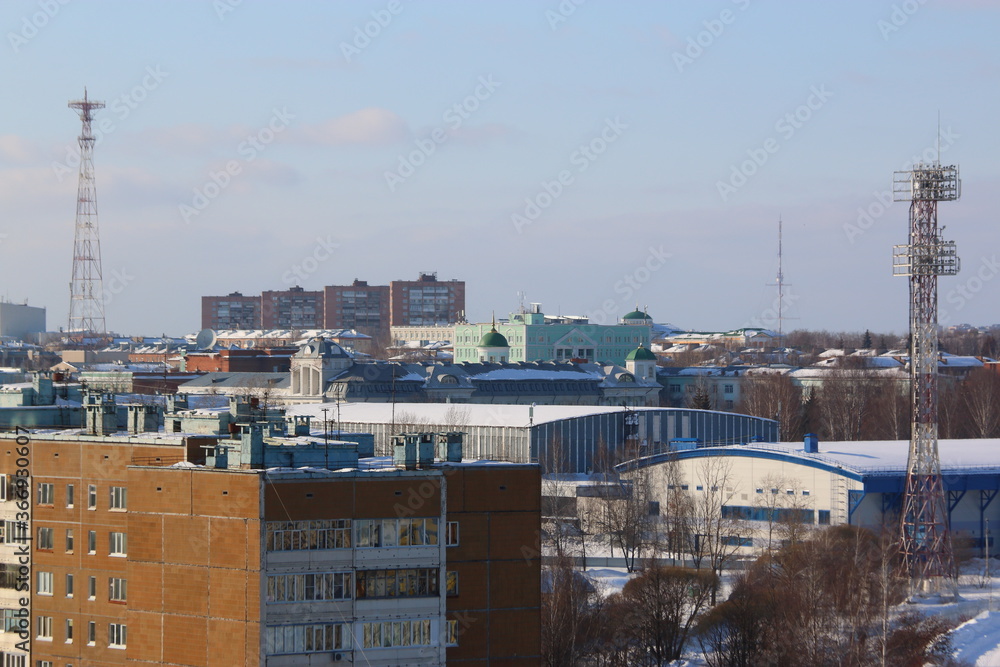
column 636, row 315
column 493, row 339
column 640, row 354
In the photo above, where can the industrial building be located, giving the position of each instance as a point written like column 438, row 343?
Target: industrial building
column 252, row 549
column 857, row 483
column 566, row 438
column 21, row 321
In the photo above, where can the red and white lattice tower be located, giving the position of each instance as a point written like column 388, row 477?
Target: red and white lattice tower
column 925, row 541
column 86, row 291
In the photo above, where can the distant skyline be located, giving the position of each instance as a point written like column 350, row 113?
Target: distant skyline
column 592, row 155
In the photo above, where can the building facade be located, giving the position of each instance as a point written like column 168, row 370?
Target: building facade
column 294, row 308
column 194, row 550
column 358, row 306
column 426, row 301
column 233, row 311
column 532, row 336
column 20, row 321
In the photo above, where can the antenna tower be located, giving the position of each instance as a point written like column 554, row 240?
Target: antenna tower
column 781, row 285
column 925, row 541
column 86, row 291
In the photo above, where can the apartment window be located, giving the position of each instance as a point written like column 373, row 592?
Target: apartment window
column 805, row 492
column 119, row 498
column 92, row 588
column 296, row 535
column 412, row 582
column 70, row 493
column 117, row 589
column 69, row 540
column 44, row 627
column 45, row 583
column 118, row 543
column 116, row 635
column 92, row 497
column 451, row 583
column 313, row 638
column 92, row 542
column 396, row 532
column 309, row 587
column 91, row 632
column 727, row 389
column 451, row 534
column 386, row 634
column 45, row 538
column 69, row 630
column 69, row 585
column 9, row 622
column 44, row 663
column 46, row 493
column 451, row 638
column 4, row 480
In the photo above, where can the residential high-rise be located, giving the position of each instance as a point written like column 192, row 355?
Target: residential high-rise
column 233, row 311
column 359, row 306
column 426, row 301
column 183, row 549
column 294, row 308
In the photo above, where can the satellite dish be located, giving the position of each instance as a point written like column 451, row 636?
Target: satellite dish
column 205, row 340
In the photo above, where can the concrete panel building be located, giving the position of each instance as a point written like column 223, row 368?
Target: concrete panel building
column 426, row 301
column 294, row 308
column 358, row 306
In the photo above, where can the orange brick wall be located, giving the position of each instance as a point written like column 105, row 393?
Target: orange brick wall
column 196, row 564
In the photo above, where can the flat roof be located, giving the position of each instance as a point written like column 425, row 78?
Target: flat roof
column 873, row 456
column 469, row 414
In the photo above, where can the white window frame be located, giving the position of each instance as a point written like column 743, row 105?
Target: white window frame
column 117, row 543
column 117, row 589
column 70, row 495
column 91, row 496
column 119, row 498
column 44, row 584
column 117, row 635
column 69, row 584
column 46, row 493
column 44, row 627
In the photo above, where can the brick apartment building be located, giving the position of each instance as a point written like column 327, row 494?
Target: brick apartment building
column 161, row 549
column 369, row 309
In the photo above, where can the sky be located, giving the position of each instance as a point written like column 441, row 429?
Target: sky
column 587, row 155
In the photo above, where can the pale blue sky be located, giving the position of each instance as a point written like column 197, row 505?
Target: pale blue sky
column 188, row 82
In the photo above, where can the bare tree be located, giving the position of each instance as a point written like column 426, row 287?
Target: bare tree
column 979, row 399
column 570, row 607
column 847, row 399
column 625, row 514
column 774, row 396
column 660, row 607
column 718, row 529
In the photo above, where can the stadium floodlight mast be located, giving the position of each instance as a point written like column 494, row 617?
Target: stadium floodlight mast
column 925, row 540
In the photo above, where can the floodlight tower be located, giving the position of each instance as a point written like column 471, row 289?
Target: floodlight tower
column 86, row 291
column 925, row 541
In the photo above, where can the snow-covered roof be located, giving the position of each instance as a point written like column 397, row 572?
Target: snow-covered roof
column 470, row 414
column 886, row 455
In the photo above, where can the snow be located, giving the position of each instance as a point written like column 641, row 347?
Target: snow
column 977, row 641
column 880, row 455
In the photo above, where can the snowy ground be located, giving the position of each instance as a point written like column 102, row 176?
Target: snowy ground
column 976, row 641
